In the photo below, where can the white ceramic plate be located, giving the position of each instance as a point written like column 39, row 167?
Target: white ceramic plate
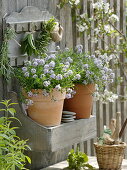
column 68, row 113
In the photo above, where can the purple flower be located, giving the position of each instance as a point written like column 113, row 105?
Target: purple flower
column 59, row 77
column 24, row 69
column 30, row 94
column 112, row 75
column 93, row 56
column 26, row 74
column 57, row 48
column 104, row 77
column 65, row 66
column 52, row 56
column 79, row 46
column 88, row 72
column 69, row 90
column 77, row 77
column 67, row 63
column 35, row 63
column 46, row 83
column 44, row 92
column 52, row 64
column 69, row 59
column 46, row 66
column 66, row 49
column 46, row 71
column 41, row 61
column 105, row 69
column 58, row 87
column 68, row 96
column 79, row 49
column 51, row 71
column 53, row 76
column 33, row 70
column 34, row 76
column 42, row 75
column 65, row 75
column 27, row 63
column 70, row 72
column 86, row 66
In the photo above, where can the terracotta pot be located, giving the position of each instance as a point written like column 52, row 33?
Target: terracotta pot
column 47, row 110
column 82, row 101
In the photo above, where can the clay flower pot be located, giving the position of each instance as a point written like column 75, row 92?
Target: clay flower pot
column 82, row 101
column 47, row 110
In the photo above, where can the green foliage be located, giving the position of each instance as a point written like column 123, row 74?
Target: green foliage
column 5, row 68
column 101, row 138
column 45, row 73
column 44, row 37
column 38, row 45
column 89, row 67
column 28, row 44
column 78, row 160
column 11, row 146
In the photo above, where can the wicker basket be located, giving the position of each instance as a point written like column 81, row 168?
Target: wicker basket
column 110, row 156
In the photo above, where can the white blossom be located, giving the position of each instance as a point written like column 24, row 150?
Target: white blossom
column 113, row 18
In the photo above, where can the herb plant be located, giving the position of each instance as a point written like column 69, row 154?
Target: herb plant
column 28, row 44
column 11, row 146
column 5, row 68
column 78, row 160
column 44, row 38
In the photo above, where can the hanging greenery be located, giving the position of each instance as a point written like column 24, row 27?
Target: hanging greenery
column 28, row 44
column 5, row 68
column 38, row 46
column 44, row 38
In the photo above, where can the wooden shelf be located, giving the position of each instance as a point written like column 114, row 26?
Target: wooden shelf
column 43, row 138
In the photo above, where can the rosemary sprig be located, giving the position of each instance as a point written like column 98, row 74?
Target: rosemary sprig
column 5, row 67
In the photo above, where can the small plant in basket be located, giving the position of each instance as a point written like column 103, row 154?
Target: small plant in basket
column 109, row 149
column 48, row 78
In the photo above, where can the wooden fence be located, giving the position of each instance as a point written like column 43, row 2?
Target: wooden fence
column 104, row 112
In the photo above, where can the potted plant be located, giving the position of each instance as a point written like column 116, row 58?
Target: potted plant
column 45, row 82
column 93, row 73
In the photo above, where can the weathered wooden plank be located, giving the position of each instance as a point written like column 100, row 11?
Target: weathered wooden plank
column 74, row 133
column 20, row 5
column 62, row 21
column 68, row 28
column 85, row 34
column 41, row 4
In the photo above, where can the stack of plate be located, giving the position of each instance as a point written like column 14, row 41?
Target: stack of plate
column 68, row 116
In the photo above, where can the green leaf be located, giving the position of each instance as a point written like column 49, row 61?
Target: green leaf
column 12, row 111
column 28, row 159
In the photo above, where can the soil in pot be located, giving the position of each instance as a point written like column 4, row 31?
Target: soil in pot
column 82, row 101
